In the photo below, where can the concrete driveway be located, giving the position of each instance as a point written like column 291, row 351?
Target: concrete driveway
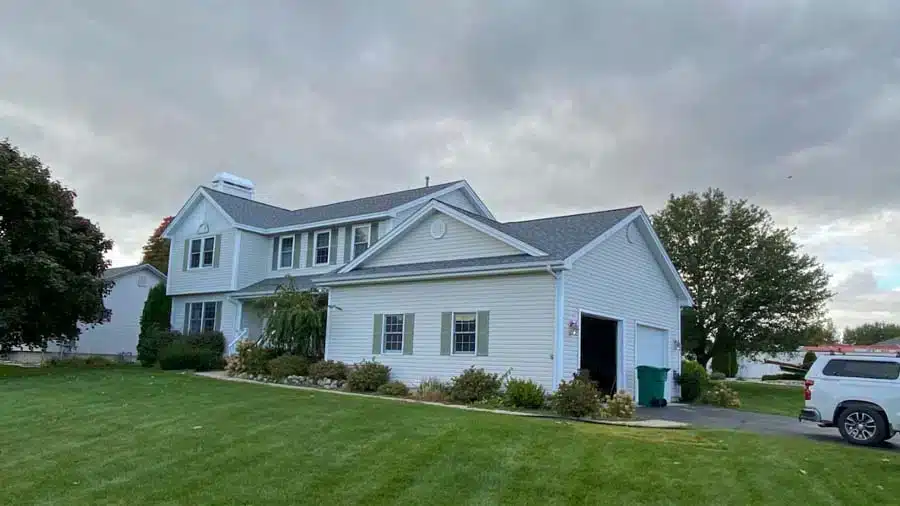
column 721, row 418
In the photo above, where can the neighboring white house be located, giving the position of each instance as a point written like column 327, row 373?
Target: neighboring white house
column 119, row 335
column 428, row 282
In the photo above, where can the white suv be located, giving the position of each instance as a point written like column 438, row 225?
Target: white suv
column 858, row 393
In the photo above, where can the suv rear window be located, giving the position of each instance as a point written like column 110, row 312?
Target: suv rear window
column 870, row 369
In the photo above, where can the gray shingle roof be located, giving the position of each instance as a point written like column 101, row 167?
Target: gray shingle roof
column 270, row 284
column 895, row 340
column 559, row 237
column 115, row 272
column 259, row 214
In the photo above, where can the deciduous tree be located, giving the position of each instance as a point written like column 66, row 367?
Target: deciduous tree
column 871, row 333
column 156, row 250
column 750, row 282
column 51, row 258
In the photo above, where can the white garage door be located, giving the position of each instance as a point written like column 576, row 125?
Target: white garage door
column 651, row 346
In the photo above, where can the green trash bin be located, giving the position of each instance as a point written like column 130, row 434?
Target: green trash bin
column 651, row 384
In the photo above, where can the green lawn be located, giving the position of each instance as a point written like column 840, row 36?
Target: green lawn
column 773, row 399
column 131, row 436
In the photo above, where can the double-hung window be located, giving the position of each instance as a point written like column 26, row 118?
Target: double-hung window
column 201, row 253
column 393, row 333
column 361, row 235
column 201, row 317
column 323, row 247
column 464, row 332
column 286, row 252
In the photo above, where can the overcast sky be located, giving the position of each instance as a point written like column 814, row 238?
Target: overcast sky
column 544, row 107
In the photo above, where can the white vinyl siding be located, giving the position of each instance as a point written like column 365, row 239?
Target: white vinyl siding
column 458, row 242
column 210, row 279
column 255, row 260
column 521, row 325
column 621, row 279
column 459, row 199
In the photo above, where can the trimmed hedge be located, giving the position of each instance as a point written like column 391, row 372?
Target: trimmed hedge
column 179, row 356
column 328, row 369
column 394, row 388
column 782, row 376
column 368, row 376
column 475, row 385
column 524, row 394
column 92, row 362
column 288, row 365
column 693, row 380
column 576, row 398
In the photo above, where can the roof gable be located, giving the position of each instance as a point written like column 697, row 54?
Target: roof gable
column 485, row 240
column 117, row 272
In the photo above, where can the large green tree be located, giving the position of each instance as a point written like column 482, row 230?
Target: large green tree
column 51, row 258
column 296, row 320
column 871, row 333
column 156, row 250
column 750, row 282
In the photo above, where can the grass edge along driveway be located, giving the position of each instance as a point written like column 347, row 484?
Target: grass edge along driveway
column 132, row 436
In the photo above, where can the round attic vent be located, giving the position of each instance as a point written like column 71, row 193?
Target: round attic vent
column 438, row 229
column 631, row 233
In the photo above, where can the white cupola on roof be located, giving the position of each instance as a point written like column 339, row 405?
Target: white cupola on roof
column 234, row 185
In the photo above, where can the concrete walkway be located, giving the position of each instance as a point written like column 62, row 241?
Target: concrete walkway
column 647, row 423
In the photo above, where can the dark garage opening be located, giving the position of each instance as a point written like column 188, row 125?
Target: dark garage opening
column 599, row 339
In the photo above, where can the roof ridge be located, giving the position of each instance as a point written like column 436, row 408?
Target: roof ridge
column 273, row 206
column 572, row 215
column 438, row 186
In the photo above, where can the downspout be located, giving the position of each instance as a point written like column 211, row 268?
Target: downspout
column 559, row 337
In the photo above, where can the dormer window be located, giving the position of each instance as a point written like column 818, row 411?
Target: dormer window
column 361, row 239
column 323, row 247
column 286, row 252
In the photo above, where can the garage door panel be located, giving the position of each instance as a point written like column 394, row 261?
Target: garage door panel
column 651, row 346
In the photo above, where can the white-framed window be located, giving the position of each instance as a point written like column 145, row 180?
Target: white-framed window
column 142, row 280
column 465, row 332
column 201, row 317
column 361, row 239
column 323, row 247
column 286, row 252
column 392, row 335
column 202, row 251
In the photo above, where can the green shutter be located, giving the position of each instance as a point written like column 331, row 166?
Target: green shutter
column 217, row 248
column 332, row 238
column 310, row 239
column 409, row 324
column 275, row 253
column 446, row 334
column 374, row 234
column 187, row 254
column 218, row 324
column 377, row 325
column 348, row 242
column 187, row 317
column 296, row 264
column 483, row 324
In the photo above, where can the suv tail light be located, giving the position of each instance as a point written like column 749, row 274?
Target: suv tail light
column 807, row 393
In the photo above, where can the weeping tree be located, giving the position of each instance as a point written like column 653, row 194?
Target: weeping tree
column 296, row 320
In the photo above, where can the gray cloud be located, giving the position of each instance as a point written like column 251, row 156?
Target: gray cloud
column 543, row 108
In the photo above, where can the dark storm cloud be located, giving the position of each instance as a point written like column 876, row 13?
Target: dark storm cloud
column 543, row 106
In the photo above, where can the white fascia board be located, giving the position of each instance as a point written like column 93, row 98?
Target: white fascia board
column 491, row 231
column 318, row 224
column 685, row 299
column 424, row 200
column 199, row 193
column 443, row 273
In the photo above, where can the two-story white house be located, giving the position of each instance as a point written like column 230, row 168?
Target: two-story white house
column 429, row 282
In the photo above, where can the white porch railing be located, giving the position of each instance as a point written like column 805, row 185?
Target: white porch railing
column 232, row 346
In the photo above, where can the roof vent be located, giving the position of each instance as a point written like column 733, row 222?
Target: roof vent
column 233, row 185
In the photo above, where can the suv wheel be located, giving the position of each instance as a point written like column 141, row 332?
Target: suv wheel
column 862, row 425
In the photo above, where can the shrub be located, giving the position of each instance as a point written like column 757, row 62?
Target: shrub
column 721, row 395
column 154, row 318
column 152, row 341
column 179, row 356
column 717, row 376
column 693, row 380
column 620, row 406
column 368, row 376
column 213, row 341
column 91, row 362
column 524, row 394
column 395, row 388
column 474, row 385
column 253, row 358
column 782, row 376
column 287, row 365
column 328, row 369
column 726, row 363
column 432, row 390
column 808, row 359
column 576, row 398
